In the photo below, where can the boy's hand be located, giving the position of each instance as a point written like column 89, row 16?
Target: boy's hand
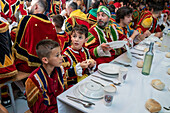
column 84, row 64
column 91, row 62
column 159, row 34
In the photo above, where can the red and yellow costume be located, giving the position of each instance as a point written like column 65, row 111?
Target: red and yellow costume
column 55, row 7
column 64, row 40
column 42, row 90
column 31, row 30
column 76, row 17
column 148, row 22
column 97, row 36
column 10, row 8
column 7, row 67
column 71, row 62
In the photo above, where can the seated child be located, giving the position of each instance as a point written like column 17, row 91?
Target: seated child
column 62, row 36
column 46, row 82
column 76, row 58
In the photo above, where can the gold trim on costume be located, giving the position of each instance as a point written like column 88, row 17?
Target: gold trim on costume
column 47, row 21
column 4, row 29
column 10, row 74
column 26, row 59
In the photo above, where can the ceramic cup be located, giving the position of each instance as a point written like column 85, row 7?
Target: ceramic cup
column 122, row 74
column 108, row 95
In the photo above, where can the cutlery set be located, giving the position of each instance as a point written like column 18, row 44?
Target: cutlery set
column 126, row 65
column 85, row 103
column 107, row 80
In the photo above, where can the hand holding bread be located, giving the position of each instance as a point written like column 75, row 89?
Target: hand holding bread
column 91, row 62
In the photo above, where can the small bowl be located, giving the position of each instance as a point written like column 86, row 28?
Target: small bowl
column 110, row 89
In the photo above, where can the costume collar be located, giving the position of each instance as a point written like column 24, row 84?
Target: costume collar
column 45, row 72
column 76, row 51
column 61, row 33
column 41, row 16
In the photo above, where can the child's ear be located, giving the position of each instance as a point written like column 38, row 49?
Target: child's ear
column 45, row 60
column 86, row 40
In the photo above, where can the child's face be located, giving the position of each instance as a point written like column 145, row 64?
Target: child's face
column 55, row 59
column 77, row 40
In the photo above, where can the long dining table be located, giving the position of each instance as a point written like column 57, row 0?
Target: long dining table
column 131, row 95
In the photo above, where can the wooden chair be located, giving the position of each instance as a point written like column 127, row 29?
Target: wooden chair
column 17, row 77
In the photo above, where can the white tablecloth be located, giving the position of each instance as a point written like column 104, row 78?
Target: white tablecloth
column 131, row 95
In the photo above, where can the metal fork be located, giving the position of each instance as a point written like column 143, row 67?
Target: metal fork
column 107, row 80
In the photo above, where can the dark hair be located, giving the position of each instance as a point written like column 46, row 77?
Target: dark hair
column 142, row 3
column 156, row 7
column 43, row 4
column 73, row 5
column 95, row 4
column 133, row 5
column 44, row 47
column 58, row 20
column 122, row 12
column 111, row 8
column 82, row 29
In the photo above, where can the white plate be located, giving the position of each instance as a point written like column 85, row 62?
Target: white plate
column 91, row 90
column 109, row 68
column 108, row 75
column 77, row 94
column 116, row 44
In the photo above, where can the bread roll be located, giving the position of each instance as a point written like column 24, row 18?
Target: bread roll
column 152, row 105
column 158, row 43
column 139, row 64
column 146, row 49
column 168, row 55
column 90, row 60
column 161, row 38
column 157, row 84
column 168, row 71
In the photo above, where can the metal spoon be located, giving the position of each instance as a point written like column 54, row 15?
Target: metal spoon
column 97, row 82
column 86, row 105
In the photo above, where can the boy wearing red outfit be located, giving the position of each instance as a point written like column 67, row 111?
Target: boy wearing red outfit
column 46, row 82
column 76, row 58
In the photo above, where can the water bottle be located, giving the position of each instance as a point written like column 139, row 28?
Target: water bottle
column 148, row 60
